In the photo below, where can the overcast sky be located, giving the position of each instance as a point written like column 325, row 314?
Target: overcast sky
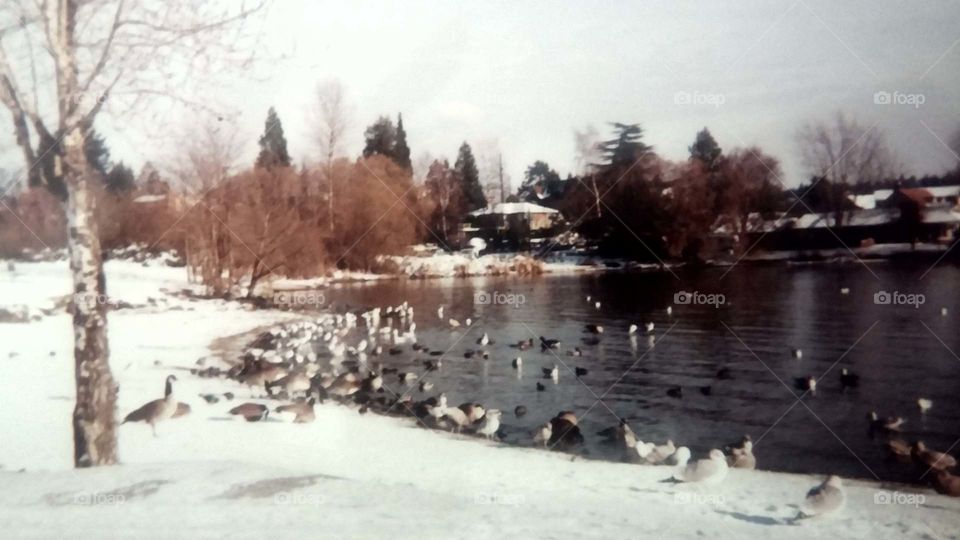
column 526, row 74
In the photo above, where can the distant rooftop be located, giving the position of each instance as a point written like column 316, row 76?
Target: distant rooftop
column 514, row 208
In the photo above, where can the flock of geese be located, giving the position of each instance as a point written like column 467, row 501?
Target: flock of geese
column 307, row 362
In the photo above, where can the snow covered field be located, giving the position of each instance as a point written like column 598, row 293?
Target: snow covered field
column 345, row 475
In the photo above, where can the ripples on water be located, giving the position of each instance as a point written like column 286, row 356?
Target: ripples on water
column 900, row 352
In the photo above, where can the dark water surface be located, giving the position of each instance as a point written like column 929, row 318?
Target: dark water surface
column 900, row 352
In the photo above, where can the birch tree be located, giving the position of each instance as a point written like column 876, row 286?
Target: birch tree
column 61, row 61
column 330, row 122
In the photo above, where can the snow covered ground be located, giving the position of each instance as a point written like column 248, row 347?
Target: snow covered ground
column 345, row 475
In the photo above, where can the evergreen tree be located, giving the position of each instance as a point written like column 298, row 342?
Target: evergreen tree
column 273, row 145
column 120, row 178
column 626, row 146
column 401, row 152
column 706, row 150
column 98, row 155
column 381, row 138
column 469, row 176
column 540, row 182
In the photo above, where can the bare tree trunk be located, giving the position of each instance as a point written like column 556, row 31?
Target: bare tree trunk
column 94, row 430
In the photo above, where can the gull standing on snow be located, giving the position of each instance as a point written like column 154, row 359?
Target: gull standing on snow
column 490, row 424
column 705, row 471
column 825, row 499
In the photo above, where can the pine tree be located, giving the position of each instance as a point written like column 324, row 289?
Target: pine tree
column 540, row 182
column 381, row 138
column 120, row 178
column 401, row 152
column 469, row 176
column 626, row 146
column 273, row 145
column 706, row 150
column 98, row 155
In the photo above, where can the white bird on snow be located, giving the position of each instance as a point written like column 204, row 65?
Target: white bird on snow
column 490, row 423
column 705, row 471
column 825, row 499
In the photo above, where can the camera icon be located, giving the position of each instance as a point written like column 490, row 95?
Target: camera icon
column 882, row 497
column 682, row 298
column 481, row 298
column 882, row 98
column 882, row 298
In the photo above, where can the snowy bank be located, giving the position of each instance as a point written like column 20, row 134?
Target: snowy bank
column 344, row 475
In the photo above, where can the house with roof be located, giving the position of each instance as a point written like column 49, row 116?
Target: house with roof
column 510, row 225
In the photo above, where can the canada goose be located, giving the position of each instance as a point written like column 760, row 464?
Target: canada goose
column 676, row 392
column 565, row 433
column 490, row 424
column 543, row 434
column 549, row 343
column 620, row 434
column 825, row 499
column 302, row 409
column 933, row 459
column 291, row 384
column 474, row 411
column 540, row 387
column 251, row 412
column 525, row 344
column 743, row 458
column 394, row 351
column 848, row 379
column 157, row 410
column 520, row 411
column 660, row 453
column 469, row 354
column 260, row 376
column 924, row 404
column 344, row 386
column 946, row 483
column 593, row 328
column 885, row 424
column 552, row 373
column 517, row 362
column 724, row 374
column 707, row 471
column 579, row 371
column 900, row 450
column 807, row 384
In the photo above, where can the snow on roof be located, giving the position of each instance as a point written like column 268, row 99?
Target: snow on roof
column 514, row 208
column 944, row 191
column 867, row 202
column 940, row 215
column 149, row 198
column 856, row 218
